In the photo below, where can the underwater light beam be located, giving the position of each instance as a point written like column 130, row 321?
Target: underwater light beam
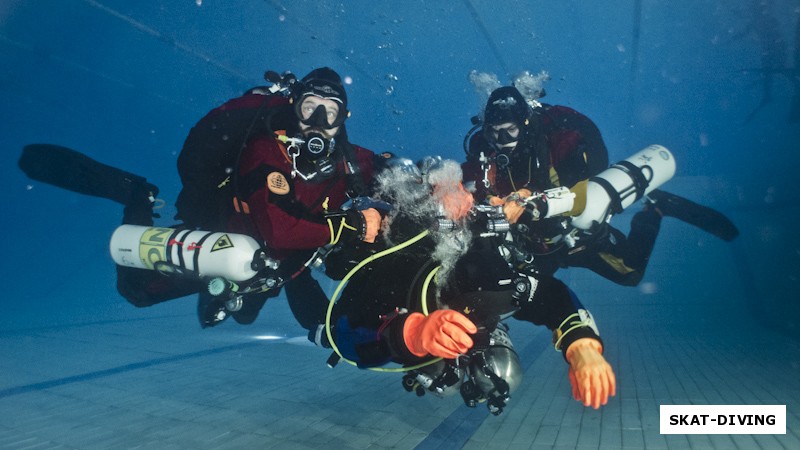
column 487, row 36
column 637, row 29
column 341, row 54
column 154, row 33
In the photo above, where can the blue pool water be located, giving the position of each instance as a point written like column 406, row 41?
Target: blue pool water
column 123, row 82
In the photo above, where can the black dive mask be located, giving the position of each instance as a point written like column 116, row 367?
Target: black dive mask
column 319, row 118
column 505, row 138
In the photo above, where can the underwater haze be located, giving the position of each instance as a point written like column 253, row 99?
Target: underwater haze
column 713, row 322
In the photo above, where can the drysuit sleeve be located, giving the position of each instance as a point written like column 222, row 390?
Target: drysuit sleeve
column 375, row 344
column 555, row 306
column 282, row 230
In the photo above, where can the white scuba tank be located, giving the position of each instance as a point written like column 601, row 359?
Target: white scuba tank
column 625, row 182
column 208, row 254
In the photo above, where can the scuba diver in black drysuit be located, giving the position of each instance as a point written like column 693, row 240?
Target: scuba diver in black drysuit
column 434, row 293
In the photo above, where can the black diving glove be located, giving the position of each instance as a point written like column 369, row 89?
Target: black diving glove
column 535, row 209
column 524, row 207
column 348, row 227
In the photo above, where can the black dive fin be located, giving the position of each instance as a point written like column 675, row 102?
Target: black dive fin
column 703, row 217
column 74, row 171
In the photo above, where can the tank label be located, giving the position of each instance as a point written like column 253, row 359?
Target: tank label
column 222, row 243
column 153, row 246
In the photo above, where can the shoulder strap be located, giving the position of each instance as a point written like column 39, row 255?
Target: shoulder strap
column 356, row 187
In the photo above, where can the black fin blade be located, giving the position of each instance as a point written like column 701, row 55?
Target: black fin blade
column 74, row 171
column 703, row 217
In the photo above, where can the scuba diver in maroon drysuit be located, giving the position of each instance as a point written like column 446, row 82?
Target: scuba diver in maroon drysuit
column 519, row 150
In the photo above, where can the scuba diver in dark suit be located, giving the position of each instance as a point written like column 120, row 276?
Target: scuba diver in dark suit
column 435, row 292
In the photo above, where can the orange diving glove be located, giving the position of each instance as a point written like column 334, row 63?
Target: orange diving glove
column 372, row 220
column 512, row 208
column 455, row 199
column 496, row 201
column 591, row 376
column 444, row 333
